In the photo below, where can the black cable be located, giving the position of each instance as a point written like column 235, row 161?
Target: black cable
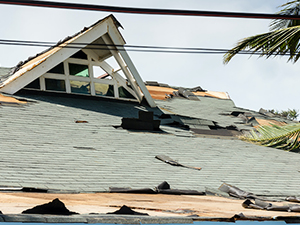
column 127, row 46
column 155, row 50
column 174, row 12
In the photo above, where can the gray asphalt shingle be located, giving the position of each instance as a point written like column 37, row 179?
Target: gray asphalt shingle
column 43, row 147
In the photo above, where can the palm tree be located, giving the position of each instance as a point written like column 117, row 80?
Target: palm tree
column 286, row 137
column 283, row 38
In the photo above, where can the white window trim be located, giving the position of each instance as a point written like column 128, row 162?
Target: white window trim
column 116, row 81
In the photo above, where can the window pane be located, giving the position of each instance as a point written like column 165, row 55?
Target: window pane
column 99, row 73
column 58, row 69
column 79, row 70
column 55, row 85
column 80, row 87
column 34, row 84
column 123, row 93
column 104, row 89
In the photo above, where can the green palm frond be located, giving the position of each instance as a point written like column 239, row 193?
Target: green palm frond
column 283, row 38
column 282, row 137
column 273, row 43
column 291, row 8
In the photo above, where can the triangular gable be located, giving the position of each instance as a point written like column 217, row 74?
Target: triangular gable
column 70, row 66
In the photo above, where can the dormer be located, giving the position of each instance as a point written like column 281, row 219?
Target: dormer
column 92, row 62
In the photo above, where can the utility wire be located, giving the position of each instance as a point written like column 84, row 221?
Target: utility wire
column 174, row 12
column 133, row 48
column 49, row 44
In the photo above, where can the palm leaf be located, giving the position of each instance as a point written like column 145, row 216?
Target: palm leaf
column 273, row 43
column 282, row 137
column 291, row 8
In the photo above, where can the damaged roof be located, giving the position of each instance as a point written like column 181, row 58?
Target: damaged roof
column 55, row 142
column 77, row 144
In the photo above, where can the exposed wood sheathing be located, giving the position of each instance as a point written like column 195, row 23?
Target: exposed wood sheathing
column 160, row 93
column 154, row 205
column 10, row 100
column 265, row 122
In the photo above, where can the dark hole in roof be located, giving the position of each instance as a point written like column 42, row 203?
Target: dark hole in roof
column 236, row 113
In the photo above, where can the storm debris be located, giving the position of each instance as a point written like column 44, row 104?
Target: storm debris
column 125, row 210
column 56, row 207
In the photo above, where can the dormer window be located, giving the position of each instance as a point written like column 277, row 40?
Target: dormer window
column 79, row 66
column 55, row 85
column 59, row 69
column 79, row 70
column 86, row 77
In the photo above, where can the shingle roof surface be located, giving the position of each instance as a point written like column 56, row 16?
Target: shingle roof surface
column 4, row 72
column 42, row 147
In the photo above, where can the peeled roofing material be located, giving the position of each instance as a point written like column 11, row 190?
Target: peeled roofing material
column 55, row 207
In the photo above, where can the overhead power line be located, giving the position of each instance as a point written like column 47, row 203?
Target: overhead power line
column 174, row 12
column 94, row 46
column 133, row 48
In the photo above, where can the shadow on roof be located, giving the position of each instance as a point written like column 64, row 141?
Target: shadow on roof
column 112, row 107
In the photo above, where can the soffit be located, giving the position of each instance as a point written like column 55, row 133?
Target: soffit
column 100, row 48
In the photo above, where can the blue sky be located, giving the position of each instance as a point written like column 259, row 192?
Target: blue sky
column 251, row 82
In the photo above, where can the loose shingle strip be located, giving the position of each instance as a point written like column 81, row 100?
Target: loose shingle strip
column 172, row 162
column 163, row 188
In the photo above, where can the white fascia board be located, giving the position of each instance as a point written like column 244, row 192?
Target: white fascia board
column 124, row 68
column 31, row 72
column 110, row 70
column 119, row 79
column 113, row 30
column 117, row 41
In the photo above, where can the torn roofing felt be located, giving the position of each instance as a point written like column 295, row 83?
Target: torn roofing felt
column 163, row 188
column 55, row 207
column 125, row 210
